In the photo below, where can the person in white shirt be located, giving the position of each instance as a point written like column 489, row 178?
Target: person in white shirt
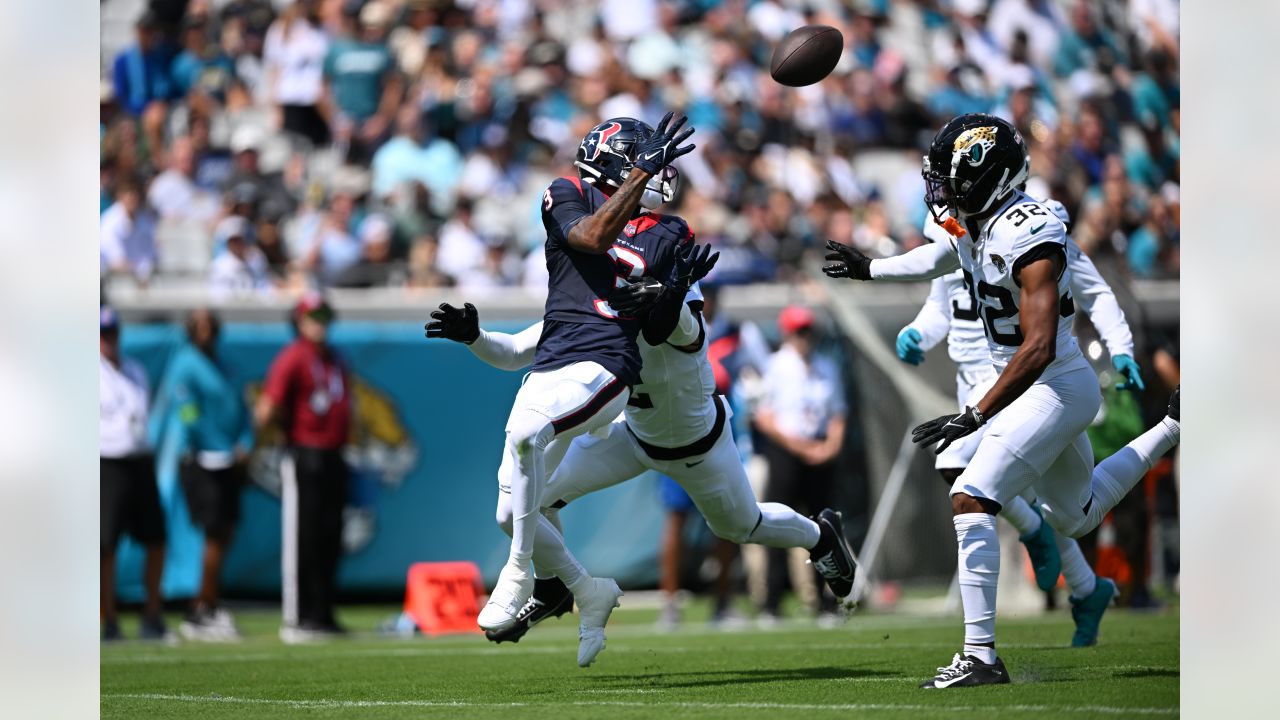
column 294, row 51
column 130, row 500
column 802, row 413
column 127, row 236
column 241, row 269
column 174, row 193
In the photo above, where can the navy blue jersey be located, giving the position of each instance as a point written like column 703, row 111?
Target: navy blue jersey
column 579, row 325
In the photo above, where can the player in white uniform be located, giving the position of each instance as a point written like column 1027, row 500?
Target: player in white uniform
column 674, row 423
column 950, row 312
column 1012, row 252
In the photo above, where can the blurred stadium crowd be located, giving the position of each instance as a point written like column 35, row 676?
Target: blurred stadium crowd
column 263, row 146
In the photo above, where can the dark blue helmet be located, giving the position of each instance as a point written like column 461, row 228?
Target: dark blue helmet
column 606, row 153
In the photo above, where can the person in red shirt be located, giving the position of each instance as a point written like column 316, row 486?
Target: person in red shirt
column 308, row 393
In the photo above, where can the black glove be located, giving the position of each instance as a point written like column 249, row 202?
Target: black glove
column 693, row 262
column 634, row 298
column 846, row 261
column 947, row 428
column 658, row 150
column 451, row 323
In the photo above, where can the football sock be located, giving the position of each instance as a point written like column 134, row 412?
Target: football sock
column 979, row 570
column 539, row 572
column 1114, row 477
column 526, row 487
column 1020, row 515
column 550, row 554
column 782, row 527
column 1081, row 580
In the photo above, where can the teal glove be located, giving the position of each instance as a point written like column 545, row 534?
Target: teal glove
column 908, row 346
column 1127, row 368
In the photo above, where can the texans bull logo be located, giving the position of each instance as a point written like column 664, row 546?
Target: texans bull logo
column 598, row 139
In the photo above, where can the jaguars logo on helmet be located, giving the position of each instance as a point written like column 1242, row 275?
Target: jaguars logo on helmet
column 974, row 162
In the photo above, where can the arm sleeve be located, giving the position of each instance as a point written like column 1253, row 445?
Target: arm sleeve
column 507, row 352
column 934, row 319
column 1099, row 302
column 563, row 207
column 924, row 263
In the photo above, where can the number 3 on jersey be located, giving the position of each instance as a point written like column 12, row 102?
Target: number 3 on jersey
column 998, row 305
column 630, row 266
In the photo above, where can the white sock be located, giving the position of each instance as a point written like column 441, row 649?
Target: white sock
column 1114, row 477
column 1021, row 516
column 1081, row 580
column 526, row 494
column 550, row 554
column 782, row 527
column 539, row 572
column 979, row 571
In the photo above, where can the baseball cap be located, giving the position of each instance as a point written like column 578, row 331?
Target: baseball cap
column 107, row 319
column 794, row 318
column 313, row 304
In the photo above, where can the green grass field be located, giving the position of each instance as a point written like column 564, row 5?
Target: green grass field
column 869, row 666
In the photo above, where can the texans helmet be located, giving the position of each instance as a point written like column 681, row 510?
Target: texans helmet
column 974, row 162
column 605, row 156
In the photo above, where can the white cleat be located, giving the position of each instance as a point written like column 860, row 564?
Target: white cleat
column 595, row 605
column 514, row 588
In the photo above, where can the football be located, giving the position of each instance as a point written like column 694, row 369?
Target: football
column 806, row 55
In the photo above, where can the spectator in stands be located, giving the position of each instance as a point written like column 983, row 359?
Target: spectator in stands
column 293, row 56
column 269, row 188
column 362, row 81
column 202, row 66
column 424, row 270
column 462, row 250
column 802, row 414
column 307, row 390
column 127, row 235
column 140, row 72
column 241, row 269
column 130, row 500
column 203, row 412
column 331, row 248
column 376, row 268
column 406, row 158
column 174, row 193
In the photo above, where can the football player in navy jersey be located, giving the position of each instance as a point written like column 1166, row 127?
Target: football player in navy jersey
column 599, row 237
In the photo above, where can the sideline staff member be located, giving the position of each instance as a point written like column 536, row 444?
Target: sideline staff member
column 198, row 403
column 307, row 391
column 130, row 499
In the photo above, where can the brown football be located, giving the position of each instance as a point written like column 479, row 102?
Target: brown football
column 806, row 55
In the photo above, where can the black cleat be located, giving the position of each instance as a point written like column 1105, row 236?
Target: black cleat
column 966, row 671
column 831, row 556
column 1175, row 406
column 550, row 599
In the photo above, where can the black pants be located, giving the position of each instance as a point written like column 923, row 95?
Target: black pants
column 306, row 121
column 130, row 502
column 313, row 534
column 807, row 489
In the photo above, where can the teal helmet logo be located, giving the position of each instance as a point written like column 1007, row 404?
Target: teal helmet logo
column 975, row 155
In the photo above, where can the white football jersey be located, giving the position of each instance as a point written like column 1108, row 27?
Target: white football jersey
column 672, row 406
column 1022, row 230
column 966, row 338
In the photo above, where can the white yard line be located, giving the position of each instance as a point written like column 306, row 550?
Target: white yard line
column 327, row 703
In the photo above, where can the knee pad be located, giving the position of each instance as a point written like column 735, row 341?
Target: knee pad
column 528, row 432
column 725, row 518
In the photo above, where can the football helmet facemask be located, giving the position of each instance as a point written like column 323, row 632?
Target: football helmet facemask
column 974, row 162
